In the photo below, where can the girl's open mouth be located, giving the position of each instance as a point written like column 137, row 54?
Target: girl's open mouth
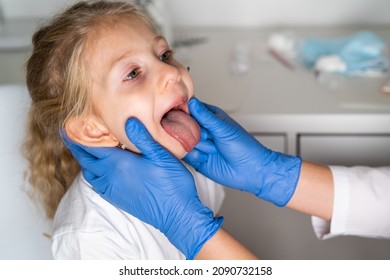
column 181, row 126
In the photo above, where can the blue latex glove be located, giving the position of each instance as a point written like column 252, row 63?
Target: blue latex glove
column 154, row 187
column 232, row 157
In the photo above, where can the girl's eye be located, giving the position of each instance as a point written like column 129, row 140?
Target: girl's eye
column 132, row 75
column 166, row 56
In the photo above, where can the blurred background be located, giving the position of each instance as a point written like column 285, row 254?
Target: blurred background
column 237, row 64
column 238, row 13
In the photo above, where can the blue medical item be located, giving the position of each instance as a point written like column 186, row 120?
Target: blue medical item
column 154, row 187
column 361, row 53
column 232, row 157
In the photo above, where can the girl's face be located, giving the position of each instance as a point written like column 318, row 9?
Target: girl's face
column 134, row 74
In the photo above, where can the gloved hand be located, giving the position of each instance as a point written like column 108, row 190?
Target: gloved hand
column 232, row 157
column 154, row 187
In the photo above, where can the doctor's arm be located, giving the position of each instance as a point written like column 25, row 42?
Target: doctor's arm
column 232, row 157
column 363, row 195
column 314, row 191
column 313, row 196
column 223, row 246
column 354, row 199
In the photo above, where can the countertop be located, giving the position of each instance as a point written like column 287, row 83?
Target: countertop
column 268, row 97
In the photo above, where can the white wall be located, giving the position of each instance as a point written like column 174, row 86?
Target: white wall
column 278, row 12
column 27, row 8
column 240, row 13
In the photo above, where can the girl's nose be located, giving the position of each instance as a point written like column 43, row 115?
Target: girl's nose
column 169, row 75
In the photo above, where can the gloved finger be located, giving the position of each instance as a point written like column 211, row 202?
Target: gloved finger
column 87, row 157
column 140, row 137
column 195, row 158
column 84, row 158
column 69, row 143
column 207, row 146
column 204, row 135
column 212, row 108
column 97, row 183
column 88, row 176
column 80, row 151
column 204, row 116
column 221, row 115
column 218, row 112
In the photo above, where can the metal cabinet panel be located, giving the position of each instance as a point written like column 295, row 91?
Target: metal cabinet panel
column 338, row 149
column 276, row 142
column 280, row 233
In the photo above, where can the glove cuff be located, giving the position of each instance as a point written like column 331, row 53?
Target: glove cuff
column 280, row 181
column 194, row 229
column 209, row 232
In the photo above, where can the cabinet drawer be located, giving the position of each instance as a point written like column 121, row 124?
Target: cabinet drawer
column 370, row 150
column 275, row 142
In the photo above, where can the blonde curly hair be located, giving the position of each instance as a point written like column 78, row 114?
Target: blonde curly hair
column 59, row 86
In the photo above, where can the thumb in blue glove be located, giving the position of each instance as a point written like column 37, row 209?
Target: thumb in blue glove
column 154, row 187
column 232, row 157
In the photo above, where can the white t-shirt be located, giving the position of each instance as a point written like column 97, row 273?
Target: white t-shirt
column 86, row 226
column 361, row 203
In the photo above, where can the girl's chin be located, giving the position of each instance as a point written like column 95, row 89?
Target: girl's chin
column 178, row 151
column 174, row 147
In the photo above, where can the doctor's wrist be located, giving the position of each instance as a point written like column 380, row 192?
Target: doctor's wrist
column 280, row 179
column 193, row 228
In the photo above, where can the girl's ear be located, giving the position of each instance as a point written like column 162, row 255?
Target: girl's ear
column 89, row 131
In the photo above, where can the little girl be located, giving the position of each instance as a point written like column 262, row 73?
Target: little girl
column 92, row 67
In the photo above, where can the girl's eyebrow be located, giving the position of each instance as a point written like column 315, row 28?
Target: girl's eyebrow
column 159, row 38
column 117, row 60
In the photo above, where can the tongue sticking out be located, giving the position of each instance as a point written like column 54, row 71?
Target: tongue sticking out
column 182, row 127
